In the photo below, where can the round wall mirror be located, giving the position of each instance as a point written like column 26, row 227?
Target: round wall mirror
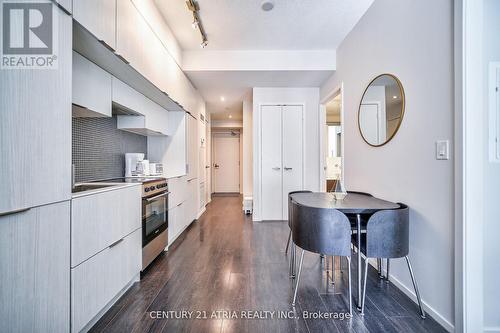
column 381, row 110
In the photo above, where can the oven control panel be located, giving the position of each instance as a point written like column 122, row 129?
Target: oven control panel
column 154, row 187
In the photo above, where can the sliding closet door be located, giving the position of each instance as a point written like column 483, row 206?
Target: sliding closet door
column 272, row 187
column 292, row 152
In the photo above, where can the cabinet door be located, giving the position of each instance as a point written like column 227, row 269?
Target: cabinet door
column 91, row 89
column 98, row 17
column 292, row 152
column 100, row 219
column 35, row 130
column 272, row 191
column 173, row 224
column 95, row 282
column 34, row 269
column 129, row 42
column 192, row 147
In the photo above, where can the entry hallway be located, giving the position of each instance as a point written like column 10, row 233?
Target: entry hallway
column 227, row 262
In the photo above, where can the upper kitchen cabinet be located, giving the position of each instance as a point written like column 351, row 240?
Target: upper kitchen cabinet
column 137, row 113
column 91, row 89
column 35, row 130
column 98, row 17
column 130, row 28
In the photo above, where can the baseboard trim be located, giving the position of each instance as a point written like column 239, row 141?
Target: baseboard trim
column 494, row 329
column 409, row 292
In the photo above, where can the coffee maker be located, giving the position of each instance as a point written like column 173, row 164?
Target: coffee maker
column 136, row 165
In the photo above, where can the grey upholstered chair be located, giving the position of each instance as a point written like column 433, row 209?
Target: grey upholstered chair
column 292, row 252
column 290, row 216
column 387, row 236
column 324, row 231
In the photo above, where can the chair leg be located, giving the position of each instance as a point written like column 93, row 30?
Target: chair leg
column 379, row 268
column 422, row 313
column 387, row 273
column 288, row 241
column 298, row 278
column 364, row 288
column 350, row 287
column 293, row 254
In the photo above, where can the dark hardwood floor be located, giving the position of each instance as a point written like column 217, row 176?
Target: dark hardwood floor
column 224, row 261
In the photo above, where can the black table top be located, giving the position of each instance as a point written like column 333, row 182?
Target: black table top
column 353, row 203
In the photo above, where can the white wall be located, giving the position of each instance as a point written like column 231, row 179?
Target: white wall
column 491, row 52
column 414, row 41
column 247, row 146
column 310, row 98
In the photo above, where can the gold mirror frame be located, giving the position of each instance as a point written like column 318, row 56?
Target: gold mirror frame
column 403, row 106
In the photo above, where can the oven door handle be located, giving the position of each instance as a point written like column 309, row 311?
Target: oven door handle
column 157, row 196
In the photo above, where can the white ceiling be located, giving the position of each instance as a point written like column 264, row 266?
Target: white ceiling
column 233, row 85
column 243, row 25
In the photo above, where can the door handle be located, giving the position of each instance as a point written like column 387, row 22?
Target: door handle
column 287, row 168
column 216, row 165
column 276, row 168
column 115, row 243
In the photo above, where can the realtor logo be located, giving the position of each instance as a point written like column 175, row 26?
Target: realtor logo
column 28, row 35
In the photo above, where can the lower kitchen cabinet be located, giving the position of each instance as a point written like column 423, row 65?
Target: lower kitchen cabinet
column 35, row 269
column 100, row 219
column 97, row 281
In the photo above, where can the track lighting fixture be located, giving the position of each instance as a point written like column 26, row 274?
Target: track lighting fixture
column 193, row 6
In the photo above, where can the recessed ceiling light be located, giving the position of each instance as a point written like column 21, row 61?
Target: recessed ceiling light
column 230, row 116
column 222, row 98
column 267, row 6
column 394, row 96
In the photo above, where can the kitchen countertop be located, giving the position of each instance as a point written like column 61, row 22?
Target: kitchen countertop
column 110, row 187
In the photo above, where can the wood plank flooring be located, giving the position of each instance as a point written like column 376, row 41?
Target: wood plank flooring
column 224, row 261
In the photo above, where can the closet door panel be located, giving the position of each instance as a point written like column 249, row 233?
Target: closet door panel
column 292, row 152
column 272, row 171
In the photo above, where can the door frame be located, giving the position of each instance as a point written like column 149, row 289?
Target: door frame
column 469, row 157
column 212, row 153
column 339, row 89
column 257, row 216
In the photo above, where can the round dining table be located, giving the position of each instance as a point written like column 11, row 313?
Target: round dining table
column 353, row 203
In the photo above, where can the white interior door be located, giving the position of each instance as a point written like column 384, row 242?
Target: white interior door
column 226, row 163
column 271, row 164
column 369, row 122
column 292, row 153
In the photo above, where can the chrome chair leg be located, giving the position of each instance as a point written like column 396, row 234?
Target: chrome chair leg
column 350, row 288
column 364, row 288
column 292, row 260
column 379, row 268
column 288, row 241
column 422, row 313
column 387, row 273
column 298, row 278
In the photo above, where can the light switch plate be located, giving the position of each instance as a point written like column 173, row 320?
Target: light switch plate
column 442, row 150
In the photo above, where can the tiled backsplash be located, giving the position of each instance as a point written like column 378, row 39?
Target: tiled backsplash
column 98, row 148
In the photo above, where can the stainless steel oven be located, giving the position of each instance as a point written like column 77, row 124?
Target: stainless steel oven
column 154, row 220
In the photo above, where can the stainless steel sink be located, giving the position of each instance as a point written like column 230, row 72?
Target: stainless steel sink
column 88, row 187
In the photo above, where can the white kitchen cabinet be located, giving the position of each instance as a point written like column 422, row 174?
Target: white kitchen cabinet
column 34, row 269
column 98, row 220
column 129, row 34
column 171, row 150
column 192, row 147
column 192, row 200
column 96, row 282
column 178, row 188
column 35, row 127
column 91, row 89
column 281, row 157
column 176, row 222
column 98, row 17
column 146, row 117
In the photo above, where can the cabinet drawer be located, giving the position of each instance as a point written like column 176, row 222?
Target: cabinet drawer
column 97, row 281
column 100, row 219
column 178, row 191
